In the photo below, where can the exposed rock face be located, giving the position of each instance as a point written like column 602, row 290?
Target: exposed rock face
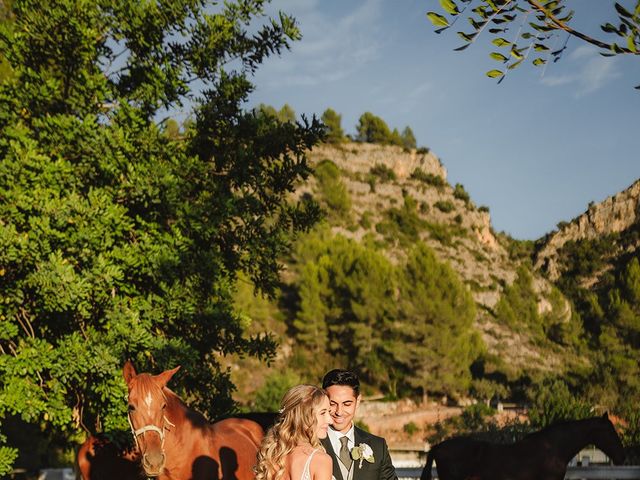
column 475, row 254
column 460, row 234
column 360, row 157
column 615, row 214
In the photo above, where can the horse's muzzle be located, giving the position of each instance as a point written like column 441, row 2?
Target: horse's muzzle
column 153, row 463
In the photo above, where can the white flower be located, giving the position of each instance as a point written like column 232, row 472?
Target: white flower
column 362, row 452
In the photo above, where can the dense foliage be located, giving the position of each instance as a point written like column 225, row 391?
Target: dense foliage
column 333, row 121
column 118, row 240
column 355, row 305
column 374, row 129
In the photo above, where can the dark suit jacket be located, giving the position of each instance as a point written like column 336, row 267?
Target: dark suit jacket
column 380, row 469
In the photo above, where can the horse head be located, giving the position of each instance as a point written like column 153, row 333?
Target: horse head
column 147, row 415
column 606, row 439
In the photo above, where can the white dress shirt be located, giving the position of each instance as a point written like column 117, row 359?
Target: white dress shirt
column 335, row 437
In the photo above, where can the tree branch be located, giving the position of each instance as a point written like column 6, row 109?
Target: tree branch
column 559, row 25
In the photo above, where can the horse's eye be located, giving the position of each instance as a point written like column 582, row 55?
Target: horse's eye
column 131, row 408
column 164, row 405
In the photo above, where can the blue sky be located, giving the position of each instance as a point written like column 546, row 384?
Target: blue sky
column 534, row 149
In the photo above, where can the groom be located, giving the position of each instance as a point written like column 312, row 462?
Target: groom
column 345, row 441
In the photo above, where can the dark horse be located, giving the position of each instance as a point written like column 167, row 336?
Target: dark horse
column 173, row 441
column 542, row 455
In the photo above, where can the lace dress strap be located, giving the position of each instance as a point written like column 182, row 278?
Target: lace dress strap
column 306, row 474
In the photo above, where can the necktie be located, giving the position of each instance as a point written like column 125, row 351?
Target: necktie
column 345, row 455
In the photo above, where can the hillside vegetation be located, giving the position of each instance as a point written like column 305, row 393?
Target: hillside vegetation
column 406, row 282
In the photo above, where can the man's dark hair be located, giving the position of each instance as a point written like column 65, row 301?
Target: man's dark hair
column 342, row 377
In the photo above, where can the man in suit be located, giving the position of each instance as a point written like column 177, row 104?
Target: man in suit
column 372, row 454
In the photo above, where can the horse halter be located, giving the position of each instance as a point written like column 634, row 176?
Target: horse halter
column 150, row 428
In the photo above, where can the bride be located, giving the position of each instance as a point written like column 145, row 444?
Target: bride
column 291, row 449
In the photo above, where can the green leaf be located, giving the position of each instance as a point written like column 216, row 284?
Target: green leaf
column 622, row 11
column 500, row 42
column 616, row 48
column 541, row 28
column 516, row 54
column 467, row 37
column 498, row 56
column 476, row 25
column 631, row 43
column 539, row 61
column 463, row 47
column 515, row 64
column 495, row 73
column 539, row 47
column 356, row 453
column 609, row 28
column 437, row 20
column 481, row 12
column 450, row 7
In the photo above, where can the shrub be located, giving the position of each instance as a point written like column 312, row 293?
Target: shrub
column 383, row 172
column 410, row 428
column 445, row 206
column 428, row 178
column 333, row 191
column 460, row 193
column 267, row 397
column 373, row 129
column 361, row 425
column 332, row 121
column 365, row 220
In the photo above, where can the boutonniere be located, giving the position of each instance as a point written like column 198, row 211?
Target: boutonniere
column 362, row 452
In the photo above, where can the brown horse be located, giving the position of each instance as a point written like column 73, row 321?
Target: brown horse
column 100, row 459
column 173, row 441
column 542, row 455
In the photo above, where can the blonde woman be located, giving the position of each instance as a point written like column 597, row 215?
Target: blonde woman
column 291, row 449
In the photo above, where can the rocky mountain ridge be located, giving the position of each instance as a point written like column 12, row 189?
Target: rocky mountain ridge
column 475, row 242
column 617, row 213
column 459, row 232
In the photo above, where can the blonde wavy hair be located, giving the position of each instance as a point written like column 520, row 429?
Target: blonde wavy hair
column 295, row 426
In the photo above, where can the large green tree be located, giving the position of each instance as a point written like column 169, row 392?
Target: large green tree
column 435, row 316
column 373, row 129
column 542, row 28
column 116, row 240
column 332, row 121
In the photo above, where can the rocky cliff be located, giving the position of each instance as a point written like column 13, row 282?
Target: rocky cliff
column 457, row 230
column 470, row 244
column 614, row 215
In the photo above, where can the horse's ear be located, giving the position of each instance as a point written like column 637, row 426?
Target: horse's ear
column 128, row 372
column 164, row 377
column 605, row 415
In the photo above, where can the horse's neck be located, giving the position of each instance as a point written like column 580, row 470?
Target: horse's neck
column 183, row 420
column 571, row 437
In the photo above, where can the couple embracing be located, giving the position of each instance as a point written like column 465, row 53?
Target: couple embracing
column 315, row 437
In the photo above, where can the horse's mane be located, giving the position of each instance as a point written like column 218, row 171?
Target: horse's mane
column 562, row 425
column 177, row 406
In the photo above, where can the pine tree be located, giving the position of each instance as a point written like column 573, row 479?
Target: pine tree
column 332, row 121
